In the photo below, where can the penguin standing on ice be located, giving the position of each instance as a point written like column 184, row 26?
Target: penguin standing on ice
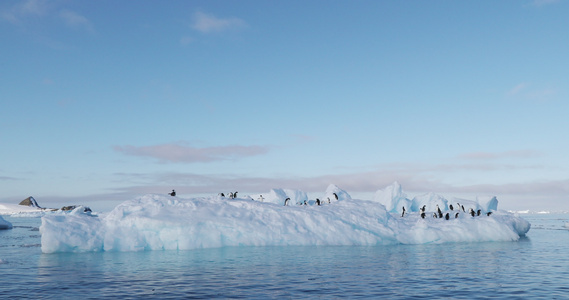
column 435, row 215
column 423, row 215
column 489, row 213
column 451, row 208
column 462, row 206
column 336, row 196
column 286, row 201
column 447, row 216
column 456, row 216
column 403, row 213
column 439, row 211
column 478, row 212
column 317, row 201
column 173, row 193
column 471, row 212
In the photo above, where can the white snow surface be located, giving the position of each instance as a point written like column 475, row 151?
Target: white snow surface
column 161, row 222
column 12, row 209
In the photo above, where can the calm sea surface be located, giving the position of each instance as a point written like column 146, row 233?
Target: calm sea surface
column 535, row 267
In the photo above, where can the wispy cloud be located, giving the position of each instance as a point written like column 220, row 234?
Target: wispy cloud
column 75, row 20
column 531, row 92
column 499, row 155
column 186, row 40
column 207, row 23
column 539, row 3
column 517, row 89
column 187, row 154
column 25, row 12
column 24, row 9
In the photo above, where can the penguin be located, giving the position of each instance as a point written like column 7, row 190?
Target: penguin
column 235, row 195
column 173, row 193
column 328, row 200
column 336, row 196
column 317, row 201
column 489, row 213
column 451, row 208
column 423, row 208
column 471, row 212
column 456, row 216
column 222, row 195
column 304, row 202
column 286, row 201
column 462, row 206
column 439, row 211
column 230, row 195
column 435, row 215
column 403, row 213
column 478, row 212
column 422, row 215
column 447, row 216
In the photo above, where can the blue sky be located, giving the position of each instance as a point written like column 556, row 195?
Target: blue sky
column 102, row 101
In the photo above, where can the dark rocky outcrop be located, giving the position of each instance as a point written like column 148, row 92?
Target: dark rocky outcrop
column 30, row 201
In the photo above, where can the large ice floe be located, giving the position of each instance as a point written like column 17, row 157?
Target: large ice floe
column 162, row 222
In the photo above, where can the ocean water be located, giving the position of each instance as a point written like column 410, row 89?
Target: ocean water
column 535, row 267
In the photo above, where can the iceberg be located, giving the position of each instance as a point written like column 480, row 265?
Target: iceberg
column 5, row 224
column 161, row 222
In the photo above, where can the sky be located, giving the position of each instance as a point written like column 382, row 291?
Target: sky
column 105, row 101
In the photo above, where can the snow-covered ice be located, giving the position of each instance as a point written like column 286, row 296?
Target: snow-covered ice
column 160, row 222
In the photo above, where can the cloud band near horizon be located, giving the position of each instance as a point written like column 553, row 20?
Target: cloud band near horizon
column 186, row 154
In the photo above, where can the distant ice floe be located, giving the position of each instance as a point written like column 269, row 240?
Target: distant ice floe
column 161, row 222
column 5, row 224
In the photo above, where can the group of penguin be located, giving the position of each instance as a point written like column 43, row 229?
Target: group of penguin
column 439, row 214
column 318, row 201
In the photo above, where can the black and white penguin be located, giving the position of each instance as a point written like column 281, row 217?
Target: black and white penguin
column 317, row 201
column 336, row 196
column 451, row 208
column 478, row 212
column 173, row 193
column 235, row 195
column 489, row 213
column 222, row 194
column 439, row 211
column 447, row 216
column 471, row 211
column 328, row 200
column 403, row 213
column 423, row 215
column 462, row 206
column 304, row 202
column 435, row 215
column 286, row 201
column 456, row 216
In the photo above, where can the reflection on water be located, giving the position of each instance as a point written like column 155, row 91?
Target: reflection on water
column 536, row 266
